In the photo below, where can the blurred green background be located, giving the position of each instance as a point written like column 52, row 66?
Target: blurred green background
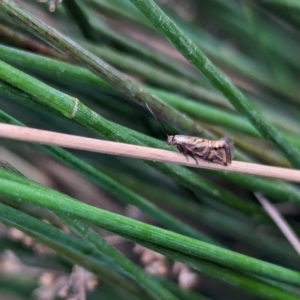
column 114, row 61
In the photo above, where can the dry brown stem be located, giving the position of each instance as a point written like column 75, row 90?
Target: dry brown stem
column 140, row 152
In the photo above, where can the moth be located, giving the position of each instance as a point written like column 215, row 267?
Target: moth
column 220, row 151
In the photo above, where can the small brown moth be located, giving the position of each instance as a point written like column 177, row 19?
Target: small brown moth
column 220, row 151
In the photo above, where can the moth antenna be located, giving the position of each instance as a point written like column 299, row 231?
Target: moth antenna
column 162, row 126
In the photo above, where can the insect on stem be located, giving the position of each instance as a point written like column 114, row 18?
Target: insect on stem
column 220, row 151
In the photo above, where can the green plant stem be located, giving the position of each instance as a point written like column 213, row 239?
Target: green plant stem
column 80, row 17
column 238, row 279
column 82, row 77
column 103, row 249
column 70, row 248
column 293, row 4
column 116, row 188
column 173, row 203
column 76, row 111
column 135, row 229
column 98, row 66
column 110, row 253
column 130, row 269
column 110, row 130
column 219, row 80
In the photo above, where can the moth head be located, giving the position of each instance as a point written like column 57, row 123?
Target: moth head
column 171, row 140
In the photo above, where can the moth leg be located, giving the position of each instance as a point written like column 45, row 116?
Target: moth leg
column 182, row 150
column 190, row 153
column 224, row 163
column 219, row 157
column 186, row 152
column 207, row 153
column 194, row 157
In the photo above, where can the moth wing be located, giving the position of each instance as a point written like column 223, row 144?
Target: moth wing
column 228, row 143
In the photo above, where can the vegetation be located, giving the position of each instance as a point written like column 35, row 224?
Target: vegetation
column 206, row 68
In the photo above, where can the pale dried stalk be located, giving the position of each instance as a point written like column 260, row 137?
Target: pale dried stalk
column 280, row 222
column 140, row 152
